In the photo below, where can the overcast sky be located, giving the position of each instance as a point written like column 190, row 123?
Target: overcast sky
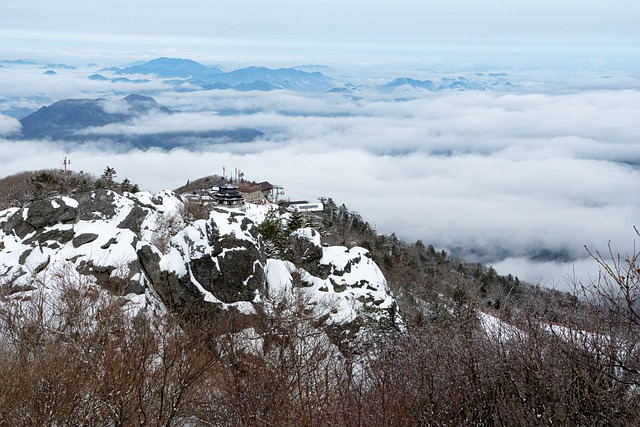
column 289, row 31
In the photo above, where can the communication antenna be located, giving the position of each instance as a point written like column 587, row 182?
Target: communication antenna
column 66, row 162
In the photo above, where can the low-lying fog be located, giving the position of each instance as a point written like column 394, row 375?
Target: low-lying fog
column 520, row 179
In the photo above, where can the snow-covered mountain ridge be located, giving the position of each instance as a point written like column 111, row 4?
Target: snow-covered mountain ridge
column 145, row 247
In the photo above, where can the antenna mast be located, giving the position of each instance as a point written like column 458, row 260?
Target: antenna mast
column 66, row 162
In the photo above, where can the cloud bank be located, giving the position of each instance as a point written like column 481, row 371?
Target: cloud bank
column 519, row 180
column 8, row 125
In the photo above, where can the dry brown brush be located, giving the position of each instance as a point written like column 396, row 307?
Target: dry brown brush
column 81, row 357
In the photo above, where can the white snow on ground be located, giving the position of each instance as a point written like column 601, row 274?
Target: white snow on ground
column 164, row 201
column 497, row 330
column 36, row 258
column 279, row 280
column 70, row 202
column 112, row 246
column 588, row 340
column 229, row 222
column 502, row 332
column 244, row 307
column 7, row 213
column 173, row 262
column 257, row 213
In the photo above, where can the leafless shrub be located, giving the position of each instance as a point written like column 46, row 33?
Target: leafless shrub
column 289, row 377
column 79, row 359
column 79, row 356
column 192, row 211
column 21, row 188
column 167, row 226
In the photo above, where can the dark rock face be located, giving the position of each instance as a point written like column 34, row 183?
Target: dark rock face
column 205, row 271
column 174, row 290
column 229, row 267
column 134, row 220
column 40, row 214
column 302, row 249
column 83, row 239
column 97, row 204
column 60, row 235
column 242, row 272
column 305, row 250
column 205, row 268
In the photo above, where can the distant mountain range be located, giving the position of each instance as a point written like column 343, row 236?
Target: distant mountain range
column 266, row 78
column 460, row 83
column 100, row 77
column 64, row 121
column 245, row 79
column 186, row 75
column 198, row 76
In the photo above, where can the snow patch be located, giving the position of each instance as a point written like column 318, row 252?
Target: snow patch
column 309, row 234
column 173, row 262
column 70, row 202
column 279, row 280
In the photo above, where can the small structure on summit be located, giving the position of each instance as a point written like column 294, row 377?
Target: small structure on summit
column 301, row 206
column 221, row 191
column 255, row 192
column 228, row 196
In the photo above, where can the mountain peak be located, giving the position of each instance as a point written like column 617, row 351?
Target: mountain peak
column 140, row 99
column 77, row 120
column 61, row 119
column 170, row 67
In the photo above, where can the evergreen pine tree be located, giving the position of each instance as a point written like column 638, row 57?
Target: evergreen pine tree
column 125, row 185
column 296, row 220
column 273, row 234
column 107, row 179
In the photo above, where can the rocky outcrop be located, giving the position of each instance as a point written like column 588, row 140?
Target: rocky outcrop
column 135, row 243
column 344, row 289
column 304, row 246
column 241, row 275
column 140, row 245
column 98, row 204
column 40, row 215
column 175, row 290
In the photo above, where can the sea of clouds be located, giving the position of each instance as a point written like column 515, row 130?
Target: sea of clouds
column 521, row 179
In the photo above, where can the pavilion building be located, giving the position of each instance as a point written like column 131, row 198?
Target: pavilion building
column 229, row 196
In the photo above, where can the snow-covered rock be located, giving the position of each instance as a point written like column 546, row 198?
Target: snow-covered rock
column 133, row 243
column 139, row 244
column 342, row 288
